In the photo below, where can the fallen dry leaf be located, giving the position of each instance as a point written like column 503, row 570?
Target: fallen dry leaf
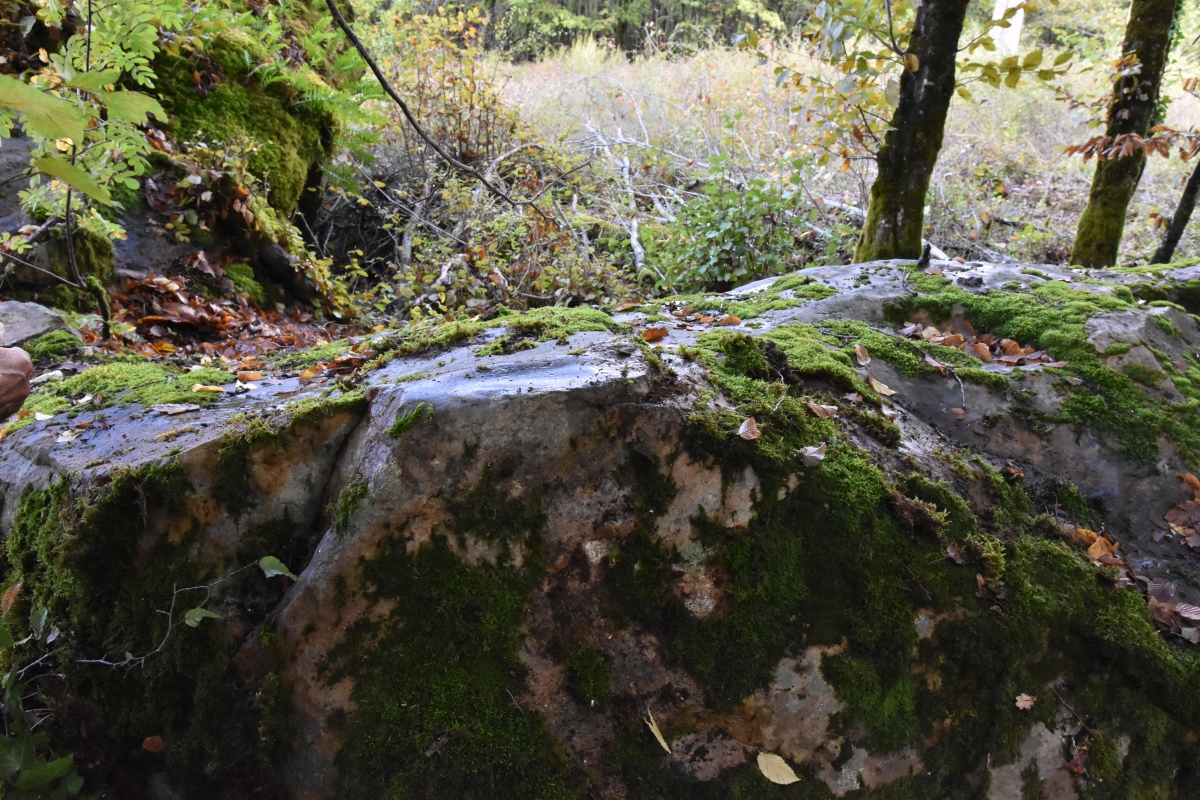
column 654, row 334
column 880, row 387
column 749, row 430
column 933, row 362
column 171, row 409
column 246, row 376
column 730, row 319
column 654, row 729
column 153, row 744
column 854, row 398
column 820, row 410
column 203, row 387
column 954, row 555
column 10, row 597
column 776, row 770
column 40, row 417
column 812, row 456
column 1025, row 701
column 862, row 354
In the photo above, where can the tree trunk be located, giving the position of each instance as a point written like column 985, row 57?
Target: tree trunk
column 1135, row 98
column 1008, row 40
column 896, row 214
column 1179, row 220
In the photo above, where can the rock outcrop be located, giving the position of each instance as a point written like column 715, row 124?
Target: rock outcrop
column 526, row 550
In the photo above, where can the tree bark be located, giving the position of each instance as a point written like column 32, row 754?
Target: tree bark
column 1179, row 220
column 1135, row 98
column 1008, row 40
column 896, row 214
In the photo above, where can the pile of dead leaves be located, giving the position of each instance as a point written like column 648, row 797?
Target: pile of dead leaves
column 686, row 318
column 1005, row 353
column 1184, row 518
column 163, row 316
column 1172, row 616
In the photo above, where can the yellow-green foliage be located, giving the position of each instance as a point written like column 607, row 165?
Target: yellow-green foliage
column 289, row 138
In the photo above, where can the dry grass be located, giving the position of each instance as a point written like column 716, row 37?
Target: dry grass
column 1003, row 187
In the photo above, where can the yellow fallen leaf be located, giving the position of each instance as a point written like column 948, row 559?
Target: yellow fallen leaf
column 650, row 723
column 882, row 388
column 776, row 770
column 202, row 387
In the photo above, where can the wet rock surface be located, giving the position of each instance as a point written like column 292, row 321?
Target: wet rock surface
column 505, row 563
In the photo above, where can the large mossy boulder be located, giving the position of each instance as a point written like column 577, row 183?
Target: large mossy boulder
column 527, row 550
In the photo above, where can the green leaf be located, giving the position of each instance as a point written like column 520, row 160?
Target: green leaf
column 40, row 777
column 74, row 177
column 272, row 566
column 1032, row 59
column 132, row 107
column 95, row 81
column 963, row 93
column 6, row 638
column 1012, row 78
column 195, row 616
column 46, row 115
column 12, row 754
column 1063, row 58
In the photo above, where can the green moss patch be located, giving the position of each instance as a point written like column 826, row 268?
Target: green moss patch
column 434, row 681
column 53, row 346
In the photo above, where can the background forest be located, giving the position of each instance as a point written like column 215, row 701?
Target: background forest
column 651, row 148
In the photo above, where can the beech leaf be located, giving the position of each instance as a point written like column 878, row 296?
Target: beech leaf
column 820, row 410
column 776, row 770
column 882, row 388
column 654, row 334
column 813, row 456
column 862, row 354
column 749, row 430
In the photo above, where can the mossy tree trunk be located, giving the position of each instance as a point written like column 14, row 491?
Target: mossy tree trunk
column 1135, row 98
column 1179, row 220
column 896, row 214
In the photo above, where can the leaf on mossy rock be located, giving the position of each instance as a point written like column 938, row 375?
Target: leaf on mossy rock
column 1025, row 701
column 880, row 387
column 813, row 456
column 862, row 354
column 653, row 726
column 749, row 430
column 10, row 597
column 654, row 334
column 776, row 770
column 821, row 410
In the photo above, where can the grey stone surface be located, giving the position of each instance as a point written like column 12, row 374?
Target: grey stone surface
column 24, row 322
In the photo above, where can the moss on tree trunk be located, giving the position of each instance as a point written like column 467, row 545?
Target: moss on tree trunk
column 896, row 214
column 1135, row 99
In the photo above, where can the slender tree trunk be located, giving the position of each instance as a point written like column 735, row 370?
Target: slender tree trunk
column 896, row 213
column 1008, row 40
column 1135, row 98
column 1179, row 220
